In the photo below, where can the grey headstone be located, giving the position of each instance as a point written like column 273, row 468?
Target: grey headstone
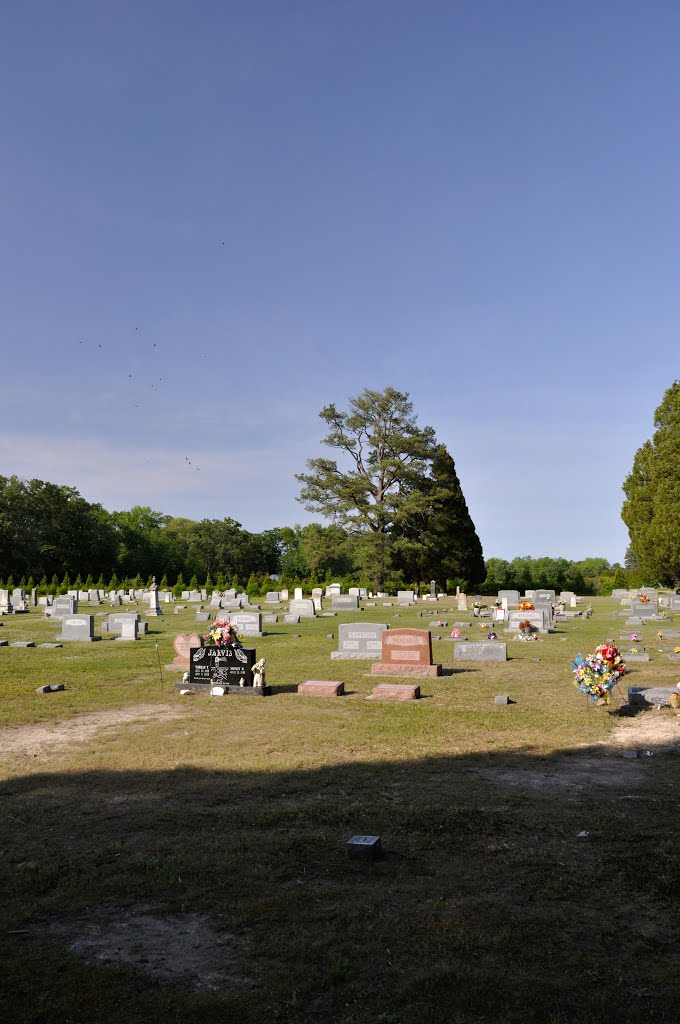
column 485, row 650
column 360, row 640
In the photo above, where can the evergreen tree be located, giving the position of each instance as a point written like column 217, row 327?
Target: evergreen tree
column 114, row 583
column 54, row 584
column 193, row 582
column 165, row 583
column 179, row 586
column 440, row 541
column 651, row 510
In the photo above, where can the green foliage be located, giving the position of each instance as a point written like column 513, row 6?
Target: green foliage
column 379, row 488
column 440, row 541
column 651, row 510
column 179, row 586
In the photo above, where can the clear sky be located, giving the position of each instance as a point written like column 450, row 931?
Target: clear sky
column 217, row 217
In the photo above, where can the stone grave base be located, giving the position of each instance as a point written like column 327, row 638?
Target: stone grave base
column 243, row 691
column 354, row 655
column 321, row 688
column 184, row 667
column 396, row 691
column 388, row 668
column 649, row 696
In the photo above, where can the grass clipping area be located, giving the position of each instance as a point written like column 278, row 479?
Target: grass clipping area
column 183, row 859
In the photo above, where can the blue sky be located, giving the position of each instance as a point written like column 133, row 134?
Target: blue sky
column 216, row 218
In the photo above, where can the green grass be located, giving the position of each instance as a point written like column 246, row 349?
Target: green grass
column 488, row 905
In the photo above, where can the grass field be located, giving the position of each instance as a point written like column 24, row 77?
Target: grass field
column 183, row 859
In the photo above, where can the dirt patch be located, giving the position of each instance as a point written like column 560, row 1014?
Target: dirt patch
column 658, row 730
column 36, row 739
column 648, row 732
column 168, row 946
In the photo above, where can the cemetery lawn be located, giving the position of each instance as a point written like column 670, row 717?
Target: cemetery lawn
column 166, row 858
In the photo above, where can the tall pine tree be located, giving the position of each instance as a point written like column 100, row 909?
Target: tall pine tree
column 651, row 510
column 440, row 542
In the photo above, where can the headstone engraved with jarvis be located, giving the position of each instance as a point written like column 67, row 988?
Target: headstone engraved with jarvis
column 223, row 661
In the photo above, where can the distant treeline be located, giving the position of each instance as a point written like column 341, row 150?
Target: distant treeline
column 52, row 538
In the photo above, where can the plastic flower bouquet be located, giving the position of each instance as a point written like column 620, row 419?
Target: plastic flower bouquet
column 596, row 674
column 222, row 633
column 525, row 606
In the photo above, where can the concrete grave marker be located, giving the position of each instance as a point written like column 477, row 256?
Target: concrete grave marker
column 79, row 628
column 484, row 650
column 359, row 640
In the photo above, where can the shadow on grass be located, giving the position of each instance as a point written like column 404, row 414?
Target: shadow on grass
column 512, row 891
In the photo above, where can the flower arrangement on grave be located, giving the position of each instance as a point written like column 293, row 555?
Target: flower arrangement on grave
column 659, row 634
column 634, row 637
column 676, row 650
column 455, row 632
column 596, row 674
column 634, row 650
column 643, row 598
column 222, row 633
column 525, row 606
column 525, row 626
column 491, row 636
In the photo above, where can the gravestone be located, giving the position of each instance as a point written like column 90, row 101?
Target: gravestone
column 484, row 650
column 406, row 652
column 333, row 588
column 304, row 608
column 154, row 609
column 461, row 602
column 511, row 596
column 317, row 593
column 619, row 594
column 321, row 688
column 649, row 696
column 298, row 594
column 5, row 603
column 64, row 606
column 202, row 617
column 291, row 620
column 248, row 623
column 644, row 609
column 230, row 667
column 540, row 618
column 215, row 599
column 115, row 620
column 270, row 617
column 128, row 631
column 19, row 602
column 283, row 595
column 183, row 643
column 272, row 597
column 78, row 628
column 395, row 691
column 359, row 592
column 344, row 603
column 359, row 640
column 405, row 597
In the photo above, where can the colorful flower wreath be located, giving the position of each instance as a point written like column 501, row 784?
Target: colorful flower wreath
column 222, row 633
column 596, row 674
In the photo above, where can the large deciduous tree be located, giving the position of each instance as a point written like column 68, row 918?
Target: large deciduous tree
column 386, row 458
column 651, row 510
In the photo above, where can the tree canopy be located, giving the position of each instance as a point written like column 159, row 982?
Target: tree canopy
column 651, row 510
column 397, row 493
